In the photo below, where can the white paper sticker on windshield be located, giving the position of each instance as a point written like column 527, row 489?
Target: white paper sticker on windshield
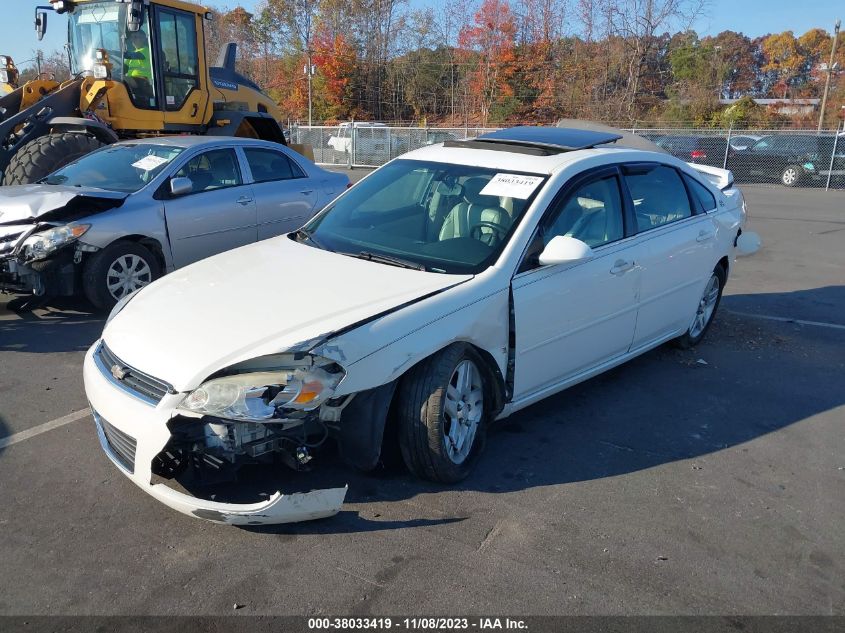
column 148, row 163
column 511, row 186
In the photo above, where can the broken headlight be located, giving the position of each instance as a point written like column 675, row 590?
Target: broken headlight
column 264, row 394
column 42, row 244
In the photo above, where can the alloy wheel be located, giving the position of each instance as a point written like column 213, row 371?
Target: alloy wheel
column 706, row 307
column 463, row 410
column 789, row 176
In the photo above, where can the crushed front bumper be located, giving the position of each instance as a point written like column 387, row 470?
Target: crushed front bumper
column 132, row 432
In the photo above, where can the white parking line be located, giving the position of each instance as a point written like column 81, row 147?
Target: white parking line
column 834, row 326
column 43, row 428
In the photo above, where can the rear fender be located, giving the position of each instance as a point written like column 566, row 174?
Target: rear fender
column 102, row 132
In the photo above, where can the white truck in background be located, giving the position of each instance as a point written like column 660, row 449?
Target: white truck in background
column 372, row 140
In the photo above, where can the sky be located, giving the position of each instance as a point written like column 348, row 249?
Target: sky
column 752, row 17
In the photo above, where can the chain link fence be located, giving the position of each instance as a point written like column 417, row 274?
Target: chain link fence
column 788, row 157
column 372, row 145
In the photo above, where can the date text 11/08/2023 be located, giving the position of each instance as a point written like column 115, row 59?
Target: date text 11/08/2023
column 421, row 623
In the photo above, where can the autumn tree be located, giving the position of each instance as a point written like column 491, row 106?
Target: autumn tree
column 489, row 44
column 335, row 59
column 783, row 60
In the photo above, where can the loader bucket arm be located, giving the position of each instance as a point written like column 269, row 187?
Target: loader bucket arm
column 10, row 104
column 35, row 120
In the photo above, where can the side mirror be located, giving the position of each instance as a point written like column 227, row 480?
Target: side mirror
column 748, row 243
column 133, row 19
column 565, row 250
column 180, row 186
column 40, row 24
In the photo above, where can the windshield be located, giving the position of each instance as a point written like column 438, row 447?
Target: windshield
column 440, row 217
column 93, row 26
column 124, row 168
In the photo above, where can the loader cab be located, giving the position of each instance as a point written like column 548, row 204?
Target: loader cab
column 156, row 55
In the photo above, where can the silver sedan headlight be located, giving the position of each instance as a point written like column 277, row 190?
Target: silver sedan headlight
column 42, row 244
column 262, row 392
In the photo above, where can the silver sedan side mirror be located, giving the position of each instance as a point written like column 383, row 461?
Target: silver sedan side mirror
column 180, row 186
column 563, row 249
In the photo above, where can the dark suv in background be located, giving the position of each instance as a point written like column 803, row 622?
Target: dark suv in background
column 793, row 159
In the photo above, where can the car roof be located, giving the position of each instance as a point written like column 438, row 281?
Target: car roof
column 518, row 162
column 190, row 141
column 554, row 148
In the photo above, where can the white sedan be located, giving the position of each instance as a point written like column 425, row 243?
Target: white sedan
column 448, row 289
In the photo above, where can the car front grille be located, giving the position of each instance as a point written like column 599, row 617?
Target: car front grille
column 122, row 445
column 134, row 381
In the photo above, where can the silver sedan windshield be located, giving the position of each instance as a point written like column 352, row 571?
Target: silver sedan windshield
column 125, row 168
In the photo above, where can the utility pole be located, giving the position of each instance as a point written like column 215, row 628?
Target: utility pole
column 829, row 73
column 309, row 71
column 38, row 56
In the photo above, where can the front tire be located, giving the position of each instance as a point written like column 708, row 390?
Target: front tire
column 44, row 155
column 116, row 271
column 706, row 310
column 791, row 175
column 443, row 404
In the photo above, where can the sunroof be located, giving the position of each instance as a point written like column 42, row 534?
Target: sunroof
column 563, row 139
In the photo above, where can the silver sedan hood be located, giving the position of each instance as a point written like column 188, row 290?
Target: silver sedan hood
column 25, row 204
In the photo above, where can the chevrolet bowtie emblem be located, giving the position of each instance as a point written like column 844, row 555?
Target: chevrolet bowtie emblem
column 119, row 372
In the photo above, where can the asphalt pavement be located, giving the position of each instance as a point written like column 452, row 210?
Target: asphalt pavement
column 709, row 481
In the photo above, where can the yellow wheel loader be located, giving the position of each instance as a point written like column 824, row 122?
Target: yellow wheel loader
column 139, row 69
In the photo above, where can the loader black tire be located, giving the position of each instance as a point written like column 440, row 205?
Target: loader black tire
column 46, row 154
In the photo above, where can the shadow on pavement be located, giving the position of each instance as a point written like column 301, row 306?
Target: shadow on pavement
column 62, row 325
column 825, row 304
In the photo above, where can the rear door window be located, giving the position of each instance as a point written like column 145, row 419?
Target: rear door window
column 659, row 195
column 267, row 165
column 705, row 200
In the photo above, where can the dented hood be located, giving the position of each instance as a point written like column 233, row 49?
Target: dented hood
column 272, row 296
column 29, row 203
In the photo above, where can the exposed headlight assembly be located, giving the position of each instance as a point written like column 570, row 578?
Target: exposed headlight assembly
column 262, row 393
column 42, row 244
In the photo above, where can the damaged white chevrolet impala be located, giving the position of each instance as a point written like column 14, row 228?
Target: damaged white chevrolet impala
column 448, row 289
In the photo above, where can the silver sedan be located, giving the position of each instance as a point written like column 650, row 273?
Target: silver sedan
column 118, row 218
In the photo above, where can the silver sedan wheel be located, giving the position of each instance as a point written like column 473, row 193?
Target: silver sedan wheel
column 706, row 307
column 126, row 274
column 463, row 411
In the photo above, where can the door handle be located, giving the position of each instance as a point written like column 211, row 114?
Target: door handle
column 621, row 266
column 244, row 200
column 307, row 191
column 703, row 236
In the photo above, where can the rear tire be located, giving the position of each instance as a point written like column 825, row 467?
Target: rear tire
column 46, row 154
column 116, row 271
column 442, row 414
column 706, row 310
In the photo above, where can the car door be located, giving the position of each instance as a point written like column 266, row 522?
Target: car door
column 217, row 215
column 678, row 250
column 284, row 195
column 569, row 318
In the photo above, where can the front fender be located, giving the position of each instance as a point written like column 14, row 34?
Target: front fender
column 476, row 312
